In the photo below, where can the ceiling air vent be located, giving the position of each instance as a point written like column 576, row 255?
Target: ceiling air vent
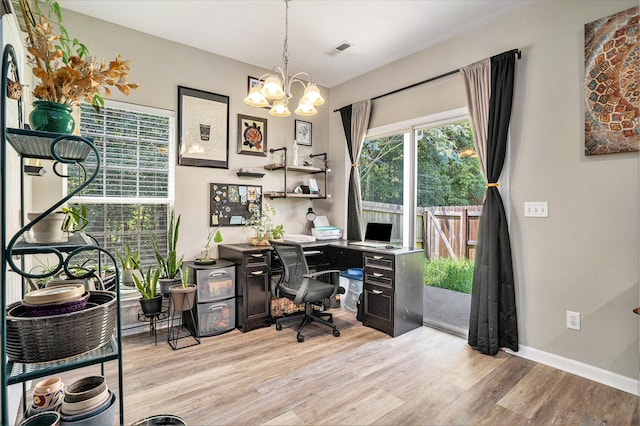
column 338, row 49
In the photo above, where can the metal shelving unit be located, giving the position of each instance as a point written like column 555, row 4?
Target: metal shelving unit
column 67, row 150
column 298, row 169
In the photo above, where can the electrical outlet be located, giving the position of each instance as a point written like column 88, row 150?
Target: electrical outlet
column 536, row 209
column 573, row 320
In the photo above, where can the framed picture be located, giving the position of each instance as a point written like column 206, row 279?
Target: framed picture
column 252, row 83
column 252, row 135
column 303, row 132
column 203, row 128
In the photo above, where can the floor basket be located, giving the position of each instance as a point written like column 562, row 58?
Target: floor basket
column 42, row 339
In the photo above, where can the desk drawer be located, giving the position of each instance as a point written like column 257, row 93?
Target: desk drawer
column 256, row 259
column 380, row 261
column 378, row 308
column 380, row 277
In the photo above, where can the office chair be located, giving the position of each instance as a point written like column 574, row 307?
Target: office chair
column 301, row 286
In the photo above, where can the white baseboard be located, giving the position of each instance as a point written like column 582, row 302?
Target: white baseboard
column 581, row 369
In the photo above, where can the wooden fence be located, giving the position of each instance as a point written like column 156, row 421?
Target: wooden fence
column 450, row 231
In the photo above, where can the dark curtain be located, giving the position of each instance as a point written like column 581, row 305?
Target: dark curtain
column 354, row 224
column 492, row 323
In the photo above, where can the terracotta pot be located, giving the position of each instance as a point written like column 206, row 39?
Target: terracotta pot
column 183, row 299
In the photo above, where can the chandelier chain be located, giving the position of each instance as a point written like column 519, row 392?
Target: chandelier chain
column 285, row 49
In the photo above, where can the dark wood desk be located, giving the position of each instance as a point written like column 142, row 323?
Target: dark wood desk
column 392, row 288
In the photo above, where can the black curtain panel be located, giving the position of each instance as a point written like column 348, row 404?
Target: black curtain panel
column 492, row 322
column 354, row 225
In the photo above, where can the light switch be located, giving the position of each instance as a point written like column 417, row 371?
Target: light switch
column 536, row 209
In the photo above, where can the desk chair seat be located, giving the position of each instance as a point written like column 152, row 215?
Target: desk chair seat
column 301, row 286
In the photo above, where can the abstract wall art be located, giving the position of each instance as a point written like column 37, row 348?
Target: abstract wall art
column 612, row 84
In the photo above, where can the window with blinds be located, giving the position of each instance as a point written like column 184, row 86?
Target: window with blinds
column 131, row 196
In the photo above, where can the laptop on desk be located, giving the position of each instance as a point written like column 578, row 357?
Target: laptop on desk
column 377, row 235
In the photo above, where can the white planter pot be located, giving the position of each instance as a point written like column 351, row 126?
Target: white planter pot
column 48, row 230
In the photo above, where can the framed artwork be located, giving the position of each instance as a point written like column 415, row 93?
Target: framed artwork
column 231, row 204
column 611, row 92
column 252, row 83
column 252, row 135
column 203, row 128
column 302, row 132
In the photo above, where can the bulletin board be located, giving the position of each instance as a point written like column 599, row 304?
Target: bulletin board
column 233, row 204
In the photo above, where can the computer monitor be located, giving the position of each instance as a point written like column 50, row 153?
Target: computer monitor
column 377, row 231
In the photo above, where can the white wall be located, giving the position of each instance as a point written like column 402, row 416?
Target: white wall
column 160, row 67
column 584, row 257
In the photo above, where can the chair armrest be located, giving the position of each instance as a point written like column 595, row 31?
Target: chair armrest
column 317, row 274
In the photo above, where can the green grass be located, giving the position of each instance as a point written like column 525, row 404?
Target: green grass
column 456, row 275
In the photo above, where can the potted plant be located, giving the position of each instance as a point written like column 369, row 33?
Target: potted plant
column 75, row 219
column 183, row 295
column 67, row 74
column 130, row 262
column 262, row 224
column 170, row 265
column 150, row 302
column 205, row 253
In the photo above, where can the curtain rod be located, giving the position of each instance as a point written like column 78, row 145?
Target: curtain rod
column 446, row 74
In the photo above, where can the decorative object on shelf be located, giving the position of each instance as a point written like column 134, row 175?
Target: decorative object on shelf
column 48, row 394
column 203, row 127
column 274, row 89
column 205, row 254
column 66, row 72
column 303, row 132
column 183, row 295
column 611, row 62
column 233, row 204
column 252, row 135
column 169, row 266
column 313, row 186
column 55, row 337
column 49, row 229
column 88, row 401
column 262, row 225
column 130, row 262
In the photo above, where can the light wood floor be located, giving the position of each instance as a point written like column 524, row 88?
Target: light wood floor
column 424, row 377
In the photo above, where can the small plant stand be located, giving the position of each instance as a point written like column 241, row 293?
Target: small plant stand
column 178, row 330
column 153, row 322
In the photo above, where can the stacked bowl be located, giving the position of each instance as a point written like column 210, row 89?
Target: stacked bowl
column 55, row 300
column 47, row 396
column 88, row 401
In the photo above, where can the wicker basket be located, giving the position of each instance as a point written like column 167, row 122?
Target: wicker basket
column 42, row 339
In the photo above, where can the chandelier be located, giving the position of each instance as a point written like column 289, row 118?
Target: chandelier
column 274, row 88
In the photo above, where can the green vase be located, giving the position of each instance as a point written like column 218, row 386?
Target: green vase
column 52, row 117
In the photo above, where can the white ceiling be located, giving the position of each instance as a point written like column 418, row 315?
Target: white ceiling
column 252, row 31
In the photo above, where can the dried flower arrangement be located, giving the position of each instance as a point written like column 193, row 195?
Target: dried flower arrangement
column 67, row 73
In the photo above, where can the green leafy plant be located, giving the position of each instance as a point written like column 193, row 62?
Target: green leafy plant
column 170, row 265
column 76, row 219
column 214, row 234
column 262, row 224
column 147, row 284
column 278, row 232
column 185, row 278
column 130, row 260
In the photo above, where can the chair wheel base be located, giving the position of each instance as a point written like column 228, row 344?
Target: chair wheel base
column 300, row 338
column 336, row 333
column 278, row 326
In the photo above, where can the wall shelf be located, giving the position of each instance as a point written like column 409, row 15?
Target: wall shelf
column 287, row 169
